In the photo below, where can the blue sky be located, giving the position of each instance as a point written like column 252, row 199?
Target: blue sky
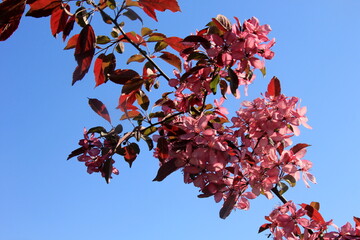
column 46, row 197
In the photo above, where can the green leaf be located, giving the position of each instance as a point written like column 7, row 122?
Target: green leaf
column 214, row 83
column 132, row 15
column 81, row 16
column 196, row 56
column 120, row 47
column 150, row 130
column 98, row 129
column 142, row 100
column 155, row 37
column 146, row 31
column 283, row 188
column 101, row 39
column 263, row 71
column 290, row 179
column 148, row 141
column 106, row 18
column 160, row 46
column 136, row 58
column 111, row 4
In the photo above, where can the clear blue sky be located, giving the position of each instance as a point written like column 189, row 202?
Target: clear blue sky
column 44, row 197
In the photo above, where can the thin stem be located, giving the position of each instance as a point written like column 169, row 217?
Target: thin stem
column 162, row 121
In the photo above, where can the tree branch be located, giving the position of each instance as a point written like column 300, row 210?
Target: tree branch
column 142, row 52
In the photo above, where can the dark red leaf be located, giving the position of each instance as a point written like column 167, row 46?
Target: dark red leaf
column 264, row 227
column 313, row 213
column 132, row 85
column 84, row 52
column 165, row 170
column 76, row 152
column 163, row 149
column 68, row 27
column 228, row 206
column 121, row 76
column 274, row 88
column 130, row 154
column 198, row 39
column 43, row 8
column 107, row 169
column 298, row 147
column 149, row 6
column 99, row 108
column 234, row 81
column 357, row 221
column 58, row 20
column 10, row 15
column 171, row 59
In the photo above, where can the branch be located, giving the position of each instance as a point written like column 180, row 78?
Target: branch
column 276, row 192
column 142, row 52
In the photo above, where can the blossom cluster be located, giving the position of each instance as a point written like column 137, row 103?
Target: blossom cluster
column 228, row 51
column 97, row 154
column 240, row 161
column 289, row 222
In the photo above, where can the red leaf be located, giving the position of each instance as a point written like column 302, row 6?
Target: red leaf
column 72, row 42
column 126, row 101
column 11, row 13
column 357, row 221
column 176, row 43
column 228, row 206
column 163, row 149
column 165, row 170
column 58, row 20
column 298, row 147
column 264, row 227
column 131, row 114
column 107, row 169
column 274, row 88
column 84, row 52
column 135, row 38
column 313, row 213
column 99, row 108
column 130, row 153
column 68, row 27
column 104, row 65
column 98, row 70
column 149, row 6
column 121, row 76
column 43, row 8
column 171, row 59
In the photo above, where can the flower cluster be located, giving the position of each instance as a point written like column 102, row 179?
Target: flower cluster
column 288, row 222
column 244, row 47
column 241, row 161
column 97, row 155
